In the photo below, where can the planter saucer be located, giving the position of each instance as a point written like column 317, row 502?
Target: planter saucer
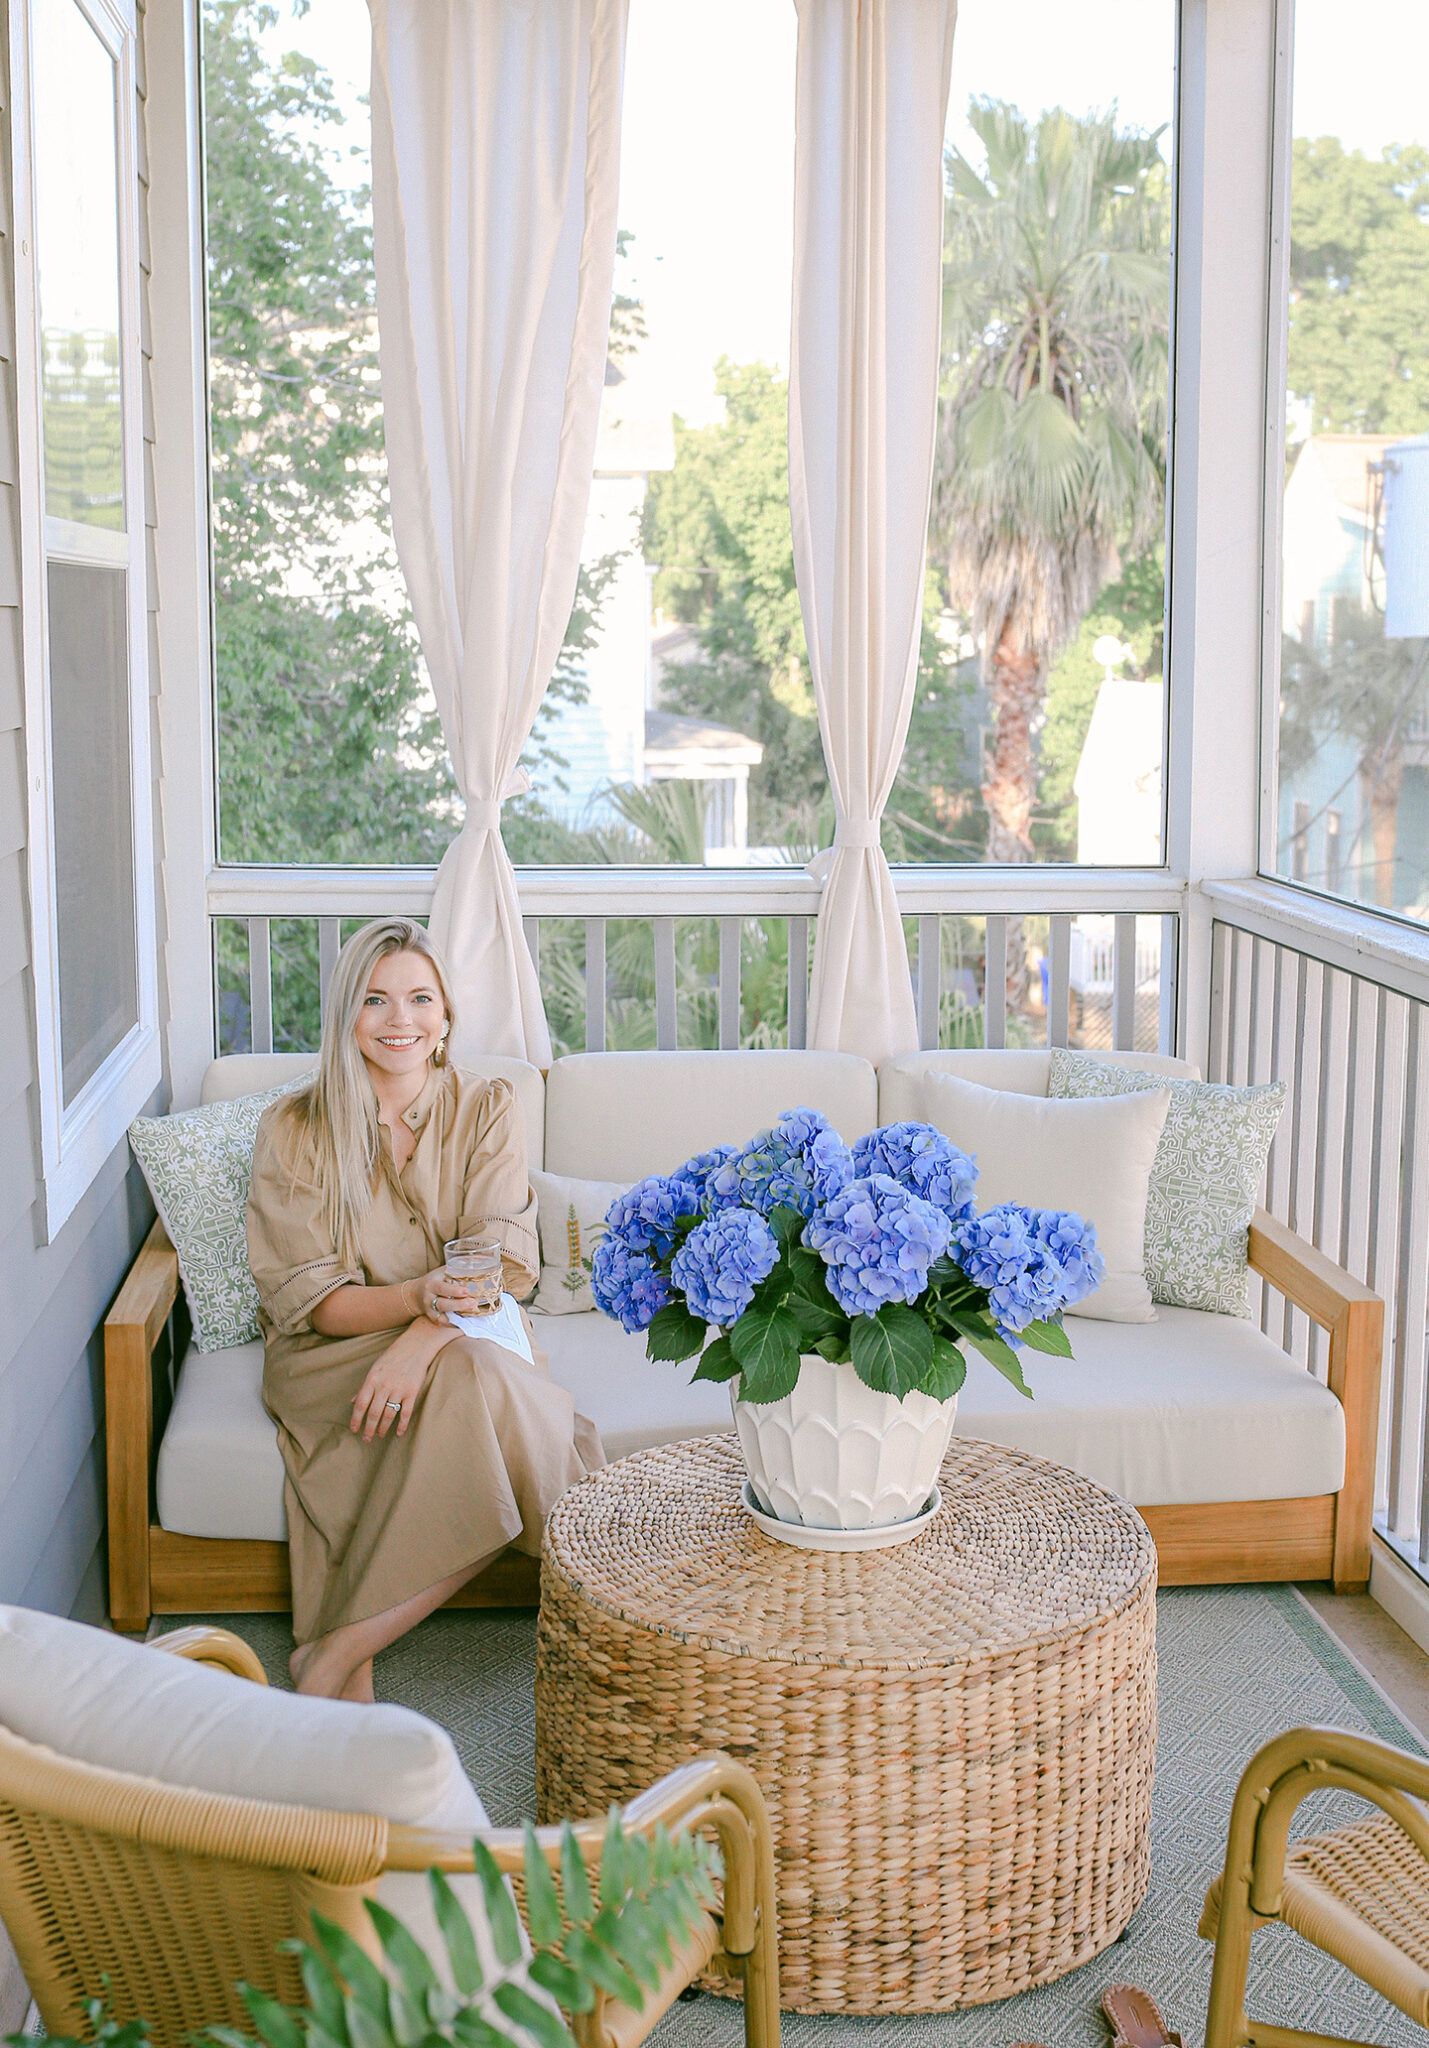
column 804, row 1537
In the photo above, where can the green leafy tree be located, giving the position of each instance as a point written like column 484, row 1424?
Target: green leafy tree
column 329, row 744
column 1050, row 459
column 717, row 525
column 1359, row 254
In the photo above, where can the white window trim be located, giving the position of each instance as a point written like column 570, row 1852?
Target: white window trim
column 77, row 1139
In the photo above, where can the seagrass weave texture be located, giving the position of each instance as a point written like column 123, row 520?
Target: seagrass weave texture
column 955, row 1737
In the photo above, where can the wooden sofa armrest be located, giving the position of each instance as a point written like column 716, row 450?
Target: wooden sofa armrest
column 711, row 1791
column 131, row 1330
column 1353, row 1314
column 216, row 1646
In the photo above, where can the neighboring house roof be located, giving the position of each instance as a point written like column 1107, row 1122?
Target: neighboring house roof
column 675, row 741
column 1342, row 462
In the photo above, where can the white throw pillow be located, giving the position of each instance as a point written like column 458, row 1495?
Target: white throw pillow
column 124, row 1706
column 1029, row 1149
column 570, row 1217
column 198, row 1163
column 1210, row 1167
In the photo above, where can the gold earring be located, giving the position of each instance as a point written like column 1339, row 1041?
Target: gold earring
column 439, row 1057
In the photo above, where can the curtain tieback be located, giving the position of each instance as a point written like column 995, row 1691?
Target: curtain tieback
column 854, row 838
column 483, row 813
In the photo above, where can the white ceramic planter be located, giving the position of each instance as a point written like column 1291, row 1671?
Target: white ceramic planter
column 836, row 1455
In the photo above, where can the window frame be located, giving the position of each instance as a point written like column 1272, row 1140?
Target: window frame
column 77, row 1138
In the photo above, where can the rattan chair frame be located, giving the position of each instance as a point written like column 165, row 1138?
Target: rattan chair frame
column 176, row 1894
column 1249, row 1893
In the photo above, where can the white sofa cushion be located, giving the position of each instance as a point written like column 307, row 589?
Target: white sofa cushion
column 1021, row 1070
column 1028, row 1149
column 1190, row 1408
column 123, row 1706
column 621, row 1115
column 244, row 1073
column 635, row 1402
column 220, row 1472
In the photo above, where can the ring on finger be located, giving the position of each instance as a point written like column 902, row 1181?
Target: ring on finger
column 395, row 1404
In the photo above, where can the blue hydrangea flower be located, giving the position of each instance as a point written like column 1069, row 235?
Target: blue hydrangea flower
column 721, row 1263
column 1072, row 1241
column 627, row 1284
column 922, row 1160
column 798, row 1164
column 878, row 1241
column 1031, row 1262
column 644, row 1217
column 714, row 1186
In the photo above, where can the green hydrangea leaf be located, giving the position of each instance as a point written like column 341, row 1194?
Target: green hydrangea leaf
column 674, row 1334
column 717, row 1361
column 892, row 1350
column 1049, row 1337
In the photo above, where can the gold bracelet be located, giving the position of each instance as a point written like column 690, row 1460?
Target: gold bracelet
column 416, row 1314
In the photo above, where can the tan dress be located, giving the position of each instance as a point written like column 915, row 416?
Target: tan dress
column 492, row 1442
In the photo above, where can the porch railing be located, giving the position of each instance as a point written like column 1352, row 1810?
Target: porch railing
column 1345, row 1024
column 640, row 957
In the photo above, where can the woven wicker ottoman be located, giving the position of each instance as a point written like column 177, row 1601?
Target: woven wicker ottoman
column 956, row 1737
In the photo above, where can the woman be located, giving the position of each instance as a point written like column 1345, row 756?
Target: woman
column 413, row 1453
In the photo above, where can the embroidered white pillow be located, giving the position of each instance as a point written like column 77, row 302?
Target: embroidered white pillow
column 1210, row 1167
column 1030, row 1149
column 198, row 1163
column 570, row 1216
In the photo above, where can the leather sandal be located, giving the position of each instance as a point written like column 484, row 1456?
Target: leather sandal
column 1134, row 2020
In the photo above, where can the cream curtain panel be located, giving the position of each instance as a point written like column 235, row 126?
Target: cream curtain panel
column 495, row 159
column 871, row 100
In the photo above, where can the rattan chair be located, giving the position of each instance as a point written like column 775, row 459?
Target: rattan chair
column 175, row 1895
column 1360, row 1893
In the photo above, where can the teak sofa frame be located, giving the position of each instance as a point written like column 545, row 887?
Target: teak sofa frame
column 1318, row 1536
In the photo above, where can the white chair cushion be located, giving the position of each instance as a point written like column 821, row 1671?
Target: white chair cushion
column 1190, row 1408
column 246, row 1073
column 121, row 1705
column 621, row 1115
column 1027, row 1150
column 1020, row 1070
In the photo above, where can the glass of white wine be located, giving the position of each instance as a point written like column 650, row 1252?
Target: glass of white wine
column 474, row 1265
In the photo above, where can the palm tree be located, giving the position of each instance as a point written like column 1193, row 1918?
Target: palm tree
column 1050, row 456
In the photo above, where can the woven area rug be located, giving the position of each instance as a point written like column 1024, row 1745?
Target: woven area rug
column 1236, row 1665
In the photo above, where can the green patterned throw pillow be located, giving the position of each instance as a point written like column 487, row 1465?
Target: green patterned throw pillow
column 1206, row 1180
column 570, row 1218
column 198, row 1163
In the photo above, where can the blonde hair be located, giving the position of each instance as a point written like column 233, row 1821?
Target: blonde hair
column 337, row 1112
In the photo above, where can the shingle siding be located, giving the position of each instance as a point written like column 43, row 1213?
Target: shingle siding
column 55, row 1295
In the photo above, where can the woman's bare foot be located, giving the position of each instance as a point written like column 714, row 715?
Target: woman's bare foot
column 315, row 1673
column 359, row 1686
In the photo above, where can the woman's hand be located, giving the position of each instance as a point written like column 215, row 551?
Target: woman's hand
column 438, row 1297
column 394, row 1385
